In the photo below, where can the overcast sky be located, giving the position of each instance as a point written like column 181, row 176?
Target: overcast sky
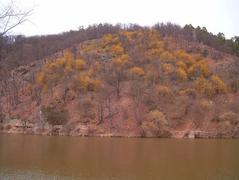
column 55, row 16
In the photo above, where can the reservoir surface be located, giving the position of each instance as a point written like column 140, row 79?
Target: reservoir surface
column 24, row 157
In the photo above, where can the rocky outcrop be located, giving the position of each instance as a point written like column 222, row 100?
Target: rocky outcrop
column 16, row 126
column 196, row 134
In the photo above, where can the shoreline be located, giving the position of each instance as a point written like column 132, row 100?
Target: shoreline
column 59, row 131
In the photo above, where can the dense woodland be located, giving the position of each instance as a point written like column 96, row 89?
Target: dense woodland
column 17, row 50
column 148, row 80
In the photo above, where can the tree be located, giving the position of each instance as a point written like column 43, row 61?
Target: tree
column 11, row 17
column 204, row 87
column 185, row 57
column 156, row 123
column 167, row 56
column 218, row 84
column 199, row 69
column 221, row 36
column 204, row 29
column 118, row 72
column 182, row 74
column 158, row 118
column 167, row 68
column 235, row 41
column 87, row 109
column 136, row 72
column 55, row 115
column 164, row 91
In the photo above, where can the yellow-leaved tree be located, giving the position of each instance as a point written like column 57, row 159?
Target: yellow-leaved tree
column 136, row 72
column 163, row 90
column 59, row 70
column 167, row 56
column 167, row 68
column 199, row 69
column 218, row 85
column 117, row 49
column 185, row 57
column 79, row 64
column 182, row 74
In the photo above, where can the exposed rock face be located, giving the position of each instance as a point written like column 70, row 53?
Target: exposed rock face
column 16, row 126
column 191, row 135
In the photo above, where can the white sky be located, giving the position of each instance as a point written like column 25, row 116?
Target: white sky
column 55, row 16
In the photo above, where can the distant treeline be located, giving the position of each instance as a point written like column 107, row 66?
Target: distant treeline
column 200, row 34
column 17, row 50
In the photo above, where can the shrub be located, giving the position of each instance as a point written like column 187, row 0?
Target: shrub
column 158, row 118
column 205, row 104
column 156, row 125
column 188, row 92
column 86, row 108
column 163, row 90
column 230, row 117
column 55, row 116
column 137, row 71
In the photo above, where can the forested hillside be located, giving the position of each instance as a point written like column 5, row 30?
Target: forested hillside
column 161, row 81
column 17, row 50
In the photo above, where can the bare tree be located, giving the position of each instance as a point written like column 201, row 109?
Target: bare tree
column 11, row 17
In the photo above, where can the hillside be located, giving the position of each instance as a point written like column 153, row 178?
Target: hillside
column 132, row 83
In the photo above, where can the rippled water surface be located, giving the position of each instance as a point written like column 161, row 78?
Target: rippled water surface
column 26, row 157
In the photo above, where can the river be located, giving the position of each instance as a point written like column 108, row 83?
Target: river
column 24, row 157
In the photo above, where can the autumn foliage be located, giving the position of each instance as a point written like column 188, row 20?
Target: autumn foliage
column 140, row 58
column 66, row 70
column 135, row 77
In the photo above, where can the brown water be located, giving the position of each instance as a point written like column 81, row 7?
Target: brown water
column 42, row 157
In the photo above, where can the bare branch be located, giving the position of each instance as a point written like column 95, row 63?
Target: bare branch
column 10, row 17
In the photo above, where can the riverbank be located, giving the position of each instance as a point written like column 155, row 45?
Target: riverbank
column 93, row 130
